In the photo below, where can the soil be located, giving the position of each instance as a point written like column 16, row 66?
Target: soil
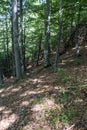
column 33, row 102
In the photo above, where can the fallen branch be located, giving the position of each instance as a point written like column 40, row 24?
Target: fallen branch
column 70, row 127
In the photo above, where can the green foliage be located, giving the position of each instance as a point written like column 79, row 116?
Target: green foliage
column 69, row 114
column 37, row 100
column 1, row 85
column 53, row 116
column 66, row 77
column 77, row 61
column 65, row 115
column 65, row 97
column 33, row 23
column 63, row 75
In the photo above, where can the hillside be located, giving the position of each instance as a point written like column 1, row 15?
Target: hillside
column 45, row 100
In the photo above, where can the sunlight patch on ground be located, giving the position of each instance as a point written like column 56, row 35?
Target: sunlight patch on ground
column 46, row 104
column 31, row 93
column 6, row 112
column 46, row 86
column 24, row 103
column 86, row 47
column 36, row 126
column 37, row 80
column 63, row 63
column 9, row 90
column 1, row 90
column 2, row 108
column 79, row 100
column 37, row 107
column 6, row 92
column 32, row 126
column 29, row 66
column 16, row 89
column 7, row 122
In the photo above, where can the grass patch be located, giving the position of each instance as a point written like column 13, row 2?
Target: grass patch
column 53, row 116
column 65, row 97
column 37, row 100
column 63, row 75
column 64, row 115
column 2, row 86
column 77, row 61
column 66, row 77
column 67, row 115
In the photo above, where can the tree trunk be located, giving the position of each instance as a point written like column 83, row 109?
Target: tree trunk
column 7, row 47
column 24, row 39
column 15, row 39
column 21, row 37
column 47, row 35
column 13, row 55
column 58, row 35
column 76, row 33
column 39, row 49
column 1, row 74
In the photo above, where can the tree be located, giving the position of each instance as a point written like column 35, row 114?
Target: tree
column 76, row 33
column 22, row 50
column 32, row 23
column 39, row 49
column 1, row 73
column 58, row 35
column 15, row 39
column 47, row 35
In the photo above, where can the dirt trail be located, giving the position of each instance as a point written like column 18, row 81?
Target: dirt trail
column 25, row 105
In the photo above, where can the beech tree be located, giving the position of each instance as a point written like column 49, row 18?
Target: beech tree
column 58, row 35
column 22, row 50
column 15, row 39
column 1, row 73
column 32, row 28
column 47, row 34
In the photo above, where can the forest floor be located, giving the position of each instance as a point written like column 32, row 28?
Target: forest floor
column 45, row 100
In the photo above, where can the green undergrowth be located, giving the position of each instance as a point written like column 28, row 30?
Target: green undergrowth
column 56, row 116
column 64, row 76
column 1, row 86
column 77, row 61
column 66, row 110
column 37, row 100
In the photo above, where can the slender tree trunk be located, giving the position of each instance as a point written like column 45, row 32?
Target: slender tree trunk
column 39, row 48
column 47, row 35
column 76, row 33
column 24, row 39
column 72, row 18
column 13, row 55
column 7, row 37
column 4, row 43
column 7, row 47
column 1, row 73
column 15, row 39
column 58, row 35
column 21, row 37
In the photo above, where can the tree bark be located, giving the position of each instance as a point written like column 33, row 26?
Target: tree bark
column 47, row 35
column 58, row 35
column 76, row 33
column 39, row 49
column 13, row 55
column 21, row 38
column 15, row 39
column 1, row 72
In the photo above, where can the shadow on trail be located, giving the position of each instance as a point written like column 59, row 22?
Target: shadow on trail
column 24, row 105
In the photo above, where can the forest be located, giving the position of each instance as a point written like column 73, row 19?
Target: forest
column 43, row 65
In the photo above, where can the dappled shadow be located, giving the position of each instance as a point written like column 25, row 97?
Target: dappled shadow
column 26, row 104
